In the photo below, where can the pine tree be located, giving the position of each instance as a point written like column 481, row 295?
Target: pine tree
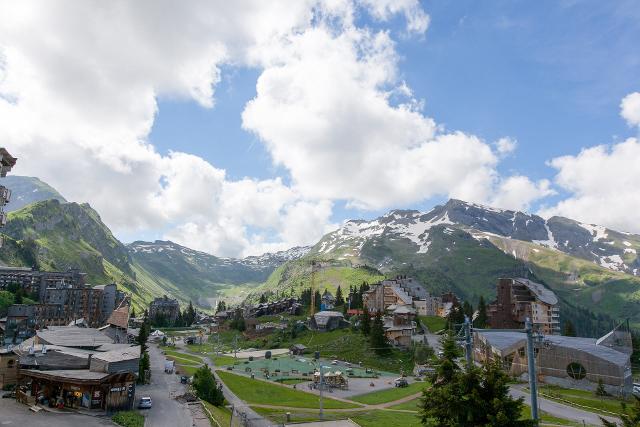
column 473, row 397
column 206, row 387
column 365, row 321
column 133, row 312
column 339, row 297
column 467, row 309
column 263, row 299
column 222, row 306
column 568, row 330
column 600, row 390
column 482, row 320
column 377, row 340
column 191, row 315
column 318, row 300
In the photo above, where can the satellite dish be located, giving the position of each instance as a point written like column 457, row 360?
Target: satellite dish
column 32, row 350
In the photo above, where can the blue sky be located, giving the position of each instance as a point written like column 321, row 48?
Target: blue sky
column 548, row 74
column 243, row 130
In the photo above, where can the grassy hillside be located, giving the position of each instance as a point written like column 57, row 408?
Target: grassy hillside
column 293, row 277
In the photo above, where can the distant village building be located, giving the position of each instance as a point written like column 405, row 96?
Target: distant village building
column 325, row 321
column 571, row 362
column 164, row 307
column 290, row 306
column 400, row 326
column 297, row 349
column 61, row 304
column 327, row 301
column 518, row 299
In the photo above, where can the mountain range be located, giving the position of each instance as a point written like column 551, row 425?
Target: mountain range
column 457, row 246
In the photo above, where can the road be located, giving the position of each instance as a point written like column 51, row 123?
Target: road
column 559, row 410
column 240, row 408
column 166, row 410
column 13, row 413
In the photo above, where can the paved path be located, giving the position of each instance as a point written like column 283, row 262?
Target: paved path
column 560, row 410
column 14, row 414
column 166, row 410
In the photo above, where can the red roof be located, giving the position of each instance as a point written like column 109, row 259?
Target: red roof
column 120, row 317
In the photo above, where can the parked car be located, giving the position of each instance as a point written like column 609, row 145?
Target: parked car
column 145, row 403
column 184, row 380
column 401, row 382
column 9, row 395
column 335, row 362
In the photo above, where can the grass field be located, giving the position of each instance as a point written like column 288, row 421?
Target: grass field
column 291, row 381
column 433, row 323
column 264, row 393
column 182, row 357
column 279, row 416
column 187, row 370
column 128, row 419
column 389, row 395
column 411, row 405
column 546, row 419
column 587, row 399
column 221, row 415
column 386, row 418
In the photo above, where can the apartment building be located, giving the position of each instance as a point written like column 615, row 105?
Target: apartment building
column 165, row 307
column 519, row 298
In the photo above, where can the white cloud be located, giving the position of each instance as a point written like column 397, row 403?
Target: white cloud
column 79, row 83
column 630, row 109
column 506, row 146
column 518, row 192
column 603, row 183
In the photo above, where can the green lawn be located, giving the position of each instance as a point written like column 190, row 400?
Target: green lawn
column 548, row 419
column 291, row 381
column 221, row 415
column 433, row 323
column 264, row 393
column 128, row 419
column 411, row 405
column 279, row 416
column 187, row 370
column 603, row 405
column 390, row 394
column 386, row 418
column 225, row 360
column 183, row 357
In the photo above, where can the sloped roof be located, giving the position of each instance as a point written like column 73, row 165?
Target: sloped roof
column 72, row 336
column 119, row 317
column 119, row 355
column 545, row 295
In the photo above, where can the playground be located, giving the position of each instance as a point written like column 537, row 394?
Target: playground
column 286, row 367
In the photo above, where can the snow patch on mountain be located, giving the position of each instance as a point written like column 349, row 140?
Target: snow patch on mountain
column 597, row 231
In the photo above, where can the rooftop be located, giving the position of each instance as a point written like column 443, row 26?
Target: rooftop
column 71, row 336
column 127, row 353
column 543, row 294
column 75, row 374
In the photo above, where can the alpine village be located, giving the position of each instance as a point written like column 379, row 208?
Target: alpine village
column 465, row 310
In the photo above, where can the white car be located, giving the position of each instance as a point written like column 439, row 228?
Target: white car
column 334, row 362
column 145, row 403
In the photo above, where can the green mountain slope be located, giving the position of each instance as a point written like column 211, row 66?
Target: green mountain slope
column 466, row 248
column 27, row 190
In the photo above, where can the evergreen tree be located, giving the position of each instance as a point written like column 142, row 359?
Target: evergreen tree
column 600, row 390
column 377, row 340
column 568, row 329
column 133, row 312
column 206, row 387
column 467, row 309
column 263, row 299
column 471, row 398
column 482, row 320
column 339, row 297
column 143, row 336
column 365, row 321
column 222, row 306
column 190, row 317
column 318, row 300
column 17, row 299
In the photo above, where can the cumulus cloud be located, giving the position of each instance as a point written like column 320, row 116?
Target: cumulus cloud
column 630, row 109
column 603, row 185
column 518, row 192
column 79, row 83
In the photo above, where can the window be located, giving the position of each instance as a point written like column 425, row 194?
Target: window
column 576, row 371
